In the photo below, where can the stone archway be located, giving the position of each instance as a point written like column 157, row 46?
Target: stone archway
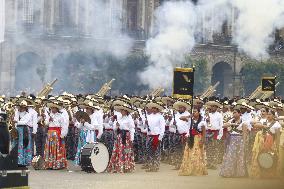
column 29, row 72
column 223, row 73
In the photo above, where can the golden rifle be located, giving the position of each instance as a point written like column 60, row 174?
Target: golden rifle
column 47, row 89
column 105, row 88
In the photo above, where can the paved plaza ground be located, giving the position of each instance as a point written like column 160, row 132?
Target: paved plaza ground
column 164, row 179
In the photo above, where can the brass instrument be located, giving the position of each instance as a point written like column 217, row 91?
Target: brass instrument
column 210, row 91
column 105, row 88
column 9, row 108
column 47, row 89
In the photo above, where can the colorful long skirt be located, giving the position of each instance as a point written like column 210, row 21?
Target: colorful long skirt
column 25, row 145
column 122, row 158
column 264, row 143
column 55, row 152
column 194, row 160
column 81, row 143
column 234, row 161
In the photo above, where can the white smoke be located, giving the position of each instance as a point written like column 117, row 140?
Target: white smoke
column 174, row 28
column 105, row 20
column 2, row 20
column 178, row 23
column 255, row 25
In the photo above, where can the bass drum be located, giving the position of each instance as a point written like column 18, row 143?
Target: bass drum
column 266, row 160
column 94, row 157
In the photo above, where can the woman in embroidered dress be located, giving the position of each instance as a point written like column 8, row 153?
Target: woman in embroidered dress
column 55, row 152
column 122, row 158
column 194, row 158
column 266, row 141
column 234, row 162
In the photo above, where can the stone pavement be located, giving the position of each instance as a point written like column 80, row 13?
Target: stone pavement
column 164, row 179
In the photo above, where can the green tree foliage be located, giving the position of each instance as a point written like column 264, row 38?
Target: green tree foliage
column 253, row 72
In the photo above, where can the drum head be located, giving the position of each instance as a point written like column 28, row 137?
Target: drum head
column 100, row 157
column 265, row 160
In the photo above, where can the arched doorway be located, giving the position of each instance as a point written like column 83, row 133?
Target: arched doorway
column 223, row 73
column 30, row 72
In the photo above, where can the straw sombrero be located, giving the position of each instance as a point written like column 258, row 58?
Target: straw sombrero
column 54, row 104
column 154, row 104
column 213, row 103
column 181, row 103
column 125, row 107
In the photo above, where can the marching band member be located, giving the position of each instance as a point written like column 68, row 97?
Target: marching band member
column 266, row 141
column 122, row 158
column 24, row 123
column 182, row 123
column 55, row 152
column 194, row 157
column 168, row 112
column 214, row 135
column 156, row 128
column 108, row 134
column 87, row 130
column 234, row 162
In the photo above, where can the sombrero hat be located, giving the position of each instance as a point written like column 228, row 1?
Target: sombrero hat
column 154, row 104
column 244, row 105
column 213, row 103
column 165, row 99
column 89, row 105
column 125, row 107
column 179, row 103
column 197, row 101
column 23, row 103
column 54, row 104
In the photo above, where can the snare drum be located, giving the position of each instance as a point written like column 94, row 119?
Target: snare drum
column 94, row 157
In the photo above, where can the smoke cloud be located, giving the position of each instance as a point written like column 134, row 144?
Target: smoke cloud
column 174, row 28
column 255, row 25
column 179, row 24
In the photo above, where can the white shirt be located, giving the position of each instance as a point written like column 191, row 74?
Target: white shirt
column 182, row 126
column 274, row 127
column 65, row 116
column 247, row 118
column 216, row 123
column 156, row 123
column 58, row 121
column 34, row 116
column 127, row 123
column 23, row 118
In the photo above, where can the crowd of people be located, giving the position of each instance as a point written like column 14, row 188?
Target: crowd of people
column 244, row 137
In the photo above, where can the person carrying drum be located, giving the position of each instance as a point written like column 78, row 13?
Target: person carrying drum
column 265, row 155
column 87, row 130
